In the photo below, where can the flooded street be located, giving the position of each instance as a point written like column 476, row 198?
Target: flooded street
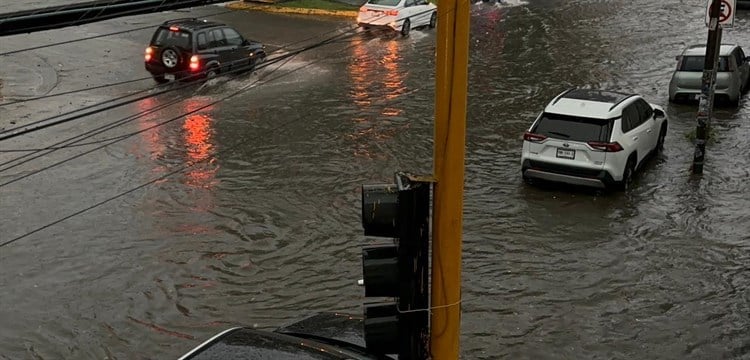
column 246, row 211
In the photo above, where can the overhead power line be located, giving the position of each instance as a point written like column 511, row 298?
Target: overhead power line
column 98, row 36
column 118, row 139
column 21, row 22
column 182, row 168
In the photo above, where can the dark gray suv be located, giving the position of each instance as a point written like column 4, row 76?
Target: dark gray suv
column 191, row 48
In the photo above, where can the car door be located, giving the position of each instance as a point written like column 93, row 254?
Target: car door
column 410, row 7
column 423, row 13
column 220, row 47
column 651, row 130
column 238, row 54
column 634, row 132
column 743, row 65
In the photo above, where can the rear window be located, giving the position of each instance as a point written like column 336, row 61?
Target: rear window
column 695, row 63
column 384, row 2
column 573, row 128
column 177, row 38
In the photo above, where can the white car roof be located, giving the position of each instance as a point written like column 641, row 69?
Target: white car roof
column 700, row 50
column 598, row 104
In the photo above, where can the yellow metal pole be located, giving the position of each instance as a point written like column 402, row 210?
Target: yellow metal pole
column 449, row 150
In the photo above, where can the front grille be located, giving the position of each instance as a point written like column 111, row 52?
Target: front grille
column 564, row 169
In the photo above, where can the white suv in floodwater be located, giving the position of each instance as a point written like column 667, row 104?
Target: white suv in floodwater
column 592, row 138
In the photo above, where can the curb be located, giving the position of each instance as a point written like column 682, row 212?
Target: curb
column 240, row 5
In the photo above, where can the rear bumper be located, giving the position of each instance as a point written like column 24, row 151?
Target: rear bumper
column 156, row 68
column 387, row 25
column 596, row 178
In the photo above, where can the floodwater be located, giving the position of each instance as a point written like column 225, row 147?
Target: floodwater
column 259, row 224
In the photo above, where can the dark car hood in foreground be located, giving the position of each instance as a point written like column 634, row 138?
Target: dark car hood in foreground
column 323, row 336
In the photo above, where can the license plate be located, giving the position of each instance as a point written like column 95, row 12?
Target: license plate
column 566, row 153
column 169, row 76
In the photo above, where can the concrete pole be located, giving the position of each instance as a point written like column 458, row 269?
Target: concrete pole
column 708, row 82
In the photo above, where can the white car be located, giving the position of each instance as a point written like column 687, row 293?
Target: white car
column 593, row 138
column 399, row 15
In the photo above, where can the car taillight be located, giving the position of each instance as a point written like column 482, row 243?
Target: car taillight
column 149, row 52
column 606, row 147
column 391, row 12
column 528, row 136
column 363, row 9
column 194, row 63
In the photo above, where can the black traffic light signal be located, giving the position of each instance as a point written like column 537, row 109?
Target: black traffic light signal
column 399, row 268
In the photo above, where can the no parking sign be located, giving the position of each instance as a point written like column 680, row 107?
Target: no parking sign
column 726, row 16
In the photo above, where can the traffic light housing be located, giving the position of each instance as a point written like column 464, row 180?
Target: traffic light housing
column 398, row 268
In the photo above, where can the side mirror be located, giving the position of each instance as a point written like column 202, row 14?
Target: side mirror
column 677, row 57
column 658, row 114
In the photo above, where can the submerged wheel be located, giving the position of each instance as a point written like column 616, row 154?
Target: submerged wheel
column 406, row 27
column 662, row 135
column 627, row 175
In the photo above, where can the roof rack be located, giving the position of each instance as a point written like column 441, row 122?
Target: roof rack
column 179, row 20
column 621, row 100
column 562, row 95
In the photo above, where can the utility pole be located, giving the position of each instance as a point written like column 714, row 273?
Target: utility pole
column 451, row 77
column 708, row 82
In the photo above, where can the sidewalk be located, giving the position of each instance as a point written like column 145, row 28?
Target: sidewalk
column 347, row 8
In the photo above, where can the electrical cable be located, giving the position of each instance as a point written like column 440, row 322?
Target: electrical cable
column 81, row 21
column 343, row 32
column 243, row 89
column 178, row 170
column 98, row 36
column 145, row 112
column 112, row 125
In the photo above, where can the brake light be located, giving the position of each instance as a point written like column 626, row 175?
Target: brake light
column 363, row 9
column 194, row 63
column 174, row 28
column 391, row 12
column 529, row 136
column 606, row 147
column 149, row 52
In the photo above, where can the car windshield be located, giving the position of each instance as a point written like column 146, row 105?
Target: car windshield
column 177, row 38
column 384, row 2
column 573, row 128
column 695, row 63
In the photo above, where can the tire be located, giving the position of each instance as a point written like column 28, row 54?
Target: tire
column 662, row 135
column 170, row 57
column 406, row 28
column 160, row 79
column 212, row 72
column 433, row 20
column 627, row 175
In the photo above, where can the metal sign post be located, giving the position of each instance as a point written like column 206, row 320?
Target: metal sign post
column 716, row 12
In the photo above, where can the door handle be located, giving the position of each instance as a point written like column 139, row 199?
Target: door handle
column 648, row 131
column 635, row 138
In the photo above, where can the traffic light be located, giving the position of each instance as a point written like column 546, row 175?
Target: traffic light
column 398, row 268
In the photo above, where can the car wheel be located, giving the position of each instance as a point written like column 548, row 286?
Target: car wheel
column 160, row 79
column 433, row 20
column 627, row 175
column 406, row 28
column 212, row 73
column 662, row 135
column 170, row 57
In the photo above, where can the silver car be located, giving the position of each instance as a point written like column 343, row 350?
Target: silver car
column 732, row 77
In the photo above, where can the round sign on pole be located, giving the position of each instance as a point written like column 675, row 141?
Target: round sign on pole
column 726, row 11
column 725, row 16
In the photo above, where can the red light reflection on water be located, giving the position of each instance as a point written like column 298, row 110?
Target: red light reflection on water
column 369, row 68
